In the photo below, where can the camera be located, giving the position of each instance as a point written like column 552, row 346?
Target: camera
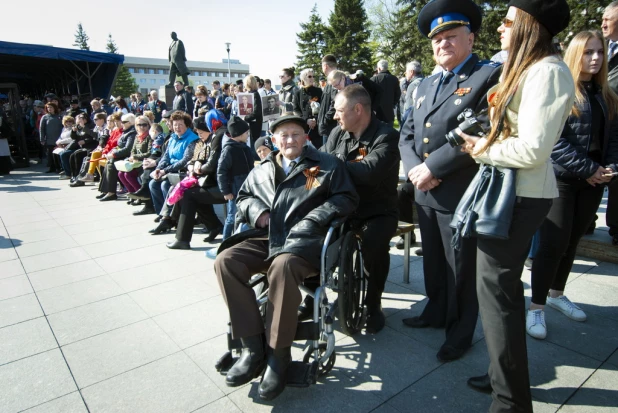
column 469, row 125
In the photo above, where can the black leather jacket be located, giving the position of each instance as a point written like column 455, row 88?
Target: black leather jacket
column 570, row 154
column 299, row 218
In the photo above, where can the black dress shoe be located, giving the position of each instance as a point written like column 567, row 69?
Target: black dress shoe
column 109, row 197
column 164, row 226
column 145, row 211
column 449, row 353
column 101, row 195
column 213, row 234
column 178, row 245
column 481, row 384
column 305, row 309
column 76, row 184
column 415, row 322
column 375, row 321
column 141, row 195
column 275, row 377
column 250, row 364
column 419, row 252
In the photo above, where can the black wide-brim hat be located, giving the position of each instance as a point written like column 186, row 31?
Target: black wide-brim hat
column 440, row 15
column 289, row 118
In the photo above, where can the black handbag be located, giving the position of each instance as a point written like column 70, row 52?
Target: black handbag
column 486, row 208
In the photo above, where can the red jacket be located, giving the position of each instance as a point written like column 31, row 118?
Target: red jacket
column 112, row 142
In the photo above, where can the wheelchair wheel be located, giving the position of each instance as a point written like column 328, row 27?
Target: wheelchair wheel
column 351, row 285
column 324, row 368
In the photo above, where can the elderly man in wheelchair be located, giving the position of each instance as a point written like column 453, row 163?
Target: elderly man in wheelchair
column 290, row 200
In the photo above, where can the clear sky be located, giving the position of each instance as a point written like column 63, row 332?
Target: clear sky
column 262, row 33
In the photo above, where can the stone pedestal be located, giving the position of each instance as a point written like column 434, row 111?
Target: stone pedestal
column 167, row 94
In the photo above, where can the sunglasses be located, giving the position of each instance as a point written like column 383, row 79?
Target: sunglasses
column 125, row 121
column 506, row 22
column 142, row 125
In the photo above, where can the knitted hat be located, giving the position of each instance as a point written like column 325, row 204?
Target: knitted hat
column 236, row 127
column 264, row 141
column 553, row 14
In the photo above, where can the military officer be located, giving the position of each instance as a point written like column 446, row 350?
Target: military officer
column 441, row 173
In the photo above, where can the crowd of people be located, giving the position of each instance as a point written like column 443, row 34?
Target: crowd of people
column 329, row 150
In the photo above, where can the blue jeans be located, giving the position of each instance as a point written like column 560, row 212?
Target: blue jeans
column 64, row 160
column 158, row 192
column 228, row 228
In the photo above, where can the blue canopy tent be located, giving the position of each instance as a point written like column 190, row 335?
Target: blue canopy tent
column 37, row 68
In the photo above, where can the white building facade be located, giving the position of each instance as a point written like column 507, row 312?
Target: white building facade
column 154, row 73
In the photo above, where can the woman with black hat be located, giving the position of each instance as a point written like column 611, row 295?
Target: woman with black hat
column 528, row 112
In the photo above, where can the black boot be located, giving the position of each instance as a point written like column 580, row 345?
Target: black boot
column 481, row 384
column 164, row 226
column 375, row 320
column 275, row 376
column 250, row 364
column 147, row 209
column 213, row 234
column 305, row 309
column 142, row 194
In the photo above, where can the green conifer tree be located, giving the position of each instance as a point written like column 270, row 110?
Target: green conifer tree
column 311, row 43
column 125, row 83
column 81, row 38
column 111, row 45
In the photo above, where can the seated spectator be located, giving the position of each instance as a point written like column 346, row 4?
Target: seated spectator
column 202, row 197
column 263, row 147
column 300, row 219
column 178, row 153
column 121, row 106
column 139, row 152
column 98, row 156
column 84, row 141
column 109, row 178
column 150, row 116
column 96, row 108
column 61, row 146
column 158, row 139
column 101, row 135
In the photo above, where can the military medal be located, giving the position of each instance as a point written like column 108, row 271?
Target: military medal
column 458, row 102
column 311, row 175
column 463, row 91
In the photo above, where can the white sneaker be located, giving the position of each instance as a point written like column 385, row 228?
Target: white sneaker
column 566, row 307
column 535, row 324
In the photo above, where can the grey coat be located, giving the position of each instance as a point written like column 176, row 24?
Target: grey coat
column 50, row 129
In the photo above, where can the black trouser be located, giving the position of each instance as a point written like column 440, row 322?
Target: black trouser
column 109, row 180
column 502, row 306
column 569, row 217
column 450, row 278
column 76, row 160
column 405, row 198
column 611, row 214
column 376, row 236
column 200, row 200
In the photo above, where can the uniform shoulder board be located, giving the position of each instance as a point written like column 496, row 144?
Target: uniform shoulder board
column 488, row 63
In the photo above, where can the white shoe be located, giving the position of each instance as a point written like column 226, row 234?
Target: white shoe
column 535, row 324
column 87, row 178
column 566, row 307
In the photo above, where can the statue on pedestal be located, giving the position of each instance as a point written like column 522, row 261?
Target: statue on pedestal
column 177, row 60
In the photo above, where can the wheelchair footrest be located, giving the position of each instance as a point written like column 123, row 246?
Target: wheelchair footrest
column 302, row 374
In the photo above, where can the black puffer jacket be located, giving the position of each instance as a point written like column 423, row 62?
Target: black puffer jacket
column 570, row 154
column 326, row 117
column 125, row 143
column 299, row 218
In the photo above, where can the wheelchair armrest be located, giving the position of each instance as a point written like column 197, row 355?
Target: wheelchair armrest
column 337, row 222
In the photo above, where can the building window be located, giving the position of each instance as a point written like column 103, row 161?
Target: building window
column 151, row 71
column 140, row 70
column 153, row 81
column 131, row 70
column 204, row 73
column 162, row 81
column 161, row 72
column 142, row 80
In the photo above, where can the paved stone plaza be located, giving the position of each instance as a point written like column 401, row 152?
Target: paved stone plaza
column 96, row 315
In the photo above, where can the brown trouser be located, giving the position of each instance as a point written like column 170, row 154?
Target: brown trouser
column 235, row 267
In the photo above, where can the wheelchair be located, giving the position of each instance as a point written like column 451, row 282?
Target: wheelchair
column 342, row 272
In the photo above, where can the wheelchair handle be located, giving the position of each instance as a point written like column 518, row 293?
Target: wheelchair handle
column 337, row 222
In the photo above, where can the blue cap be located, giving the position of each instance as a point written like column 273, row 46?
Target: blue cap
column 440, row 15
column 448, row 19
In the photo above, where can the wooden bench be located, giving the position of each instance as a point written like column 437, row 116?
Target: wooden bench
column 405, row 229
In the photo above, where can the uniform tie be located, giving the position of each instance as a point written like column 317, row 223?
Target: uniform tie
column 291, row 166
column 446, row 78
column 612, row 49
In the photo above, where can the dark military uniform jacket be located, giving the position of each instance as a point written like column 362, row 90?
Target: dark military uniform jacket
column 422, row 137
column 612, row 67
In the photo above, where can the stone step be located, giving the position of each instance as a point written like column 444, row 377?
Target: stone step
column 598, row 246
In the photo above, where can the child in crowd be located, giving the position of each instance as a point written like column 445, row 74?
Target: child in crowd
column 264, row 146
column 235, row 163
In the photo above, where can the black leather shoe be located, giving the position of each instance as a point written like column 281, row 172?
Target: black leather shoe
column 164, row 226
column 158, row 218
column 415, row 322
column 481, row 384
column 250, row 364
column 145, row 211
column 305, row 309
column 419, row 252
column 76, row 183
column 178, row 245
column 449, row 353
column 275, row 376
column 109, row 197
column 140, row 195
column 101, row 195
column 213, row 234
column 375, row 321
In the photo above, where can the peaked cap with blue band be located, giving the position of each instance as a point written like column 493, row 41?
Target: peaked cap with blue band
column 440, row 15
